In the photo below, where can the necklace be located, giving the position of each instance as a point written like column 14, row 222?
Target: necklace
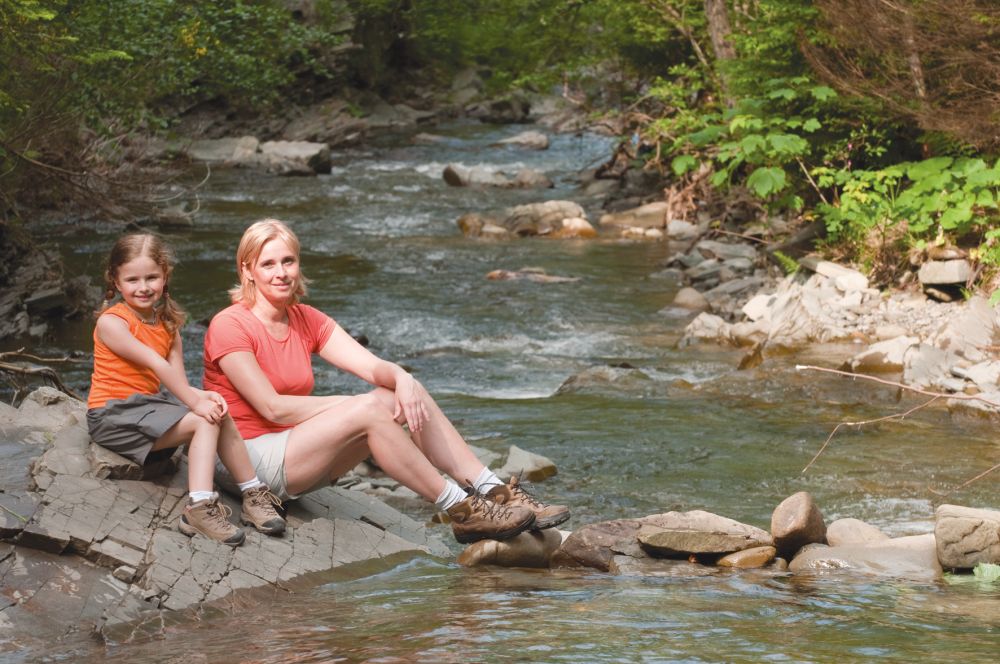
column 151, row 321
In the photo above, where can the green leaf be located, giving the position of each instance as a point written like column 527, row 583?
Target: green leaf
column 752, row 143
column 811, row 125
column 928, row 167
column 987, row 178
column 956, row 216
column 707, row 135
column 986, row 199
column 788, row 144
column 822, row 93
column 719, row 178
column 683, row 164
column 765, row 181
column 995, row 298
column 782, row 93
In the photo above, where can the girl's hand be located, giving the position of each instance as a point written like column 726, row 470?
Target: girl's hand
column 410, row 402
column 208, row 409
column 217, row 398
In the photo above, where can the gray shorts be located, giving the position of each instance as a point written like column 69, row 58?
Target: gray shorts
column 131, row 427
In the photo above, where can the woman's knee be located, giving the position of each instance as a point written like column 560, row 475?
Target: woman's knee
column 370, row 408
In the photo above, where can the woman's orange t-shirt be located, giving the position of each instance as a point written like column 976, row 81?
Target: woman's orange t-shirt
column 116, row 378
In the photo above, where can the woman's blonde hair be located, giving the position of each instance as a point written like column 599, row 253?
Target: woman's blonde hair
column 251, row 244
column 130, row 247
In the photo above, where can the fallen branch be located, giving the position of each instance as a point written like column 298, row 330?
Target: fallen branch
column 917, row 390
column 967, row 482
column 45, row 373
column 19, row 354
column 895, row 416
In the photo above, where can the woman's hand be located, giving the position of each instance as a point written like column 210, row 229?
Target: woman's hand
column 208, row 409
column 410, row 402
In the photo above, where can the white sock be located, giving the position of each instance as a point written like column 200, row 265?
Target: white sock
column 450, row 496
column 202, row 495
column 487, row 480
column 250, row 484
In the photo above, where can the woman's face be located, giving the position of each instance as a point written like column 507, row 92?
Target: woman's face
column 276, row 272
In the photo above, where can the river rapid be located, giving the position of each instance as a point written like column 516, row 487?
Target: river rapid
column 690, row 431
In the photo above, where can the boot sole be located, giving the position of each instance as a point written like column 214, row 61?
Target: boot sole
column 267, row 530
column 551, row 522
column 500, row 536
column 189, row 530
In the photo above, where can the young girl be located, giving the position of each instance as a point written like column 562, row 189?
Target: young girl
column 137, row 348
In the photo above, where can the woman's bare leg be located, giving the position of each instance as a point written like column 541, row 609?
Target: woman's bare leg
column 440, row 441
column 203, row 437
column 332, row 442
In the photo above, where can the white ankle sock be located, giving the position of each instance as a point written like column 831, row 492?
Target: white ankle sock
column 250, row 484
column 202, row 495
column 487, row 480
column 450, row 496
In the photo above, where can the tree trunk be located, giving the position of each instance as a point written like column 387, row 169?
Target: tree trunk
column 720, row 31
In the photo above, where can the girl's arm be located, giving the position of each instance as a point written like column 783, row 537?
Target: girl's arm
column 344, row 352
column 245, row 374
column 114, row 333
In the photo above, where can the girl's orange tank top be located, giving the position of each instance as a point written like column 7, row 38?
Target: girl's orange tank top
column 116, row 378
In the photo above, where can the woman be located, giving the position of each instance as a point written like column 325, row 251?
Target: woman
column 258, row 357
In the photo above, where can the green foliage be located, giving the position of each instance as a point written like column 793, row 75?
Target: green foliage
column 933, row 197
column 788, row 264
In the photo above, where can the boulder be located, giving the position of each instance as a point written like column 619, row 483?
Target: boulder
column 296, row 157
column 532, row 140
column 966, row 536
column 885, row 355
column 222, row 151
column 651, row 215
column 724, row 251
column 678, row 229
column 956, row 271
column 529, row 178
column 758, row 556
column 675, row 534
column 526, row 465
column 658, row 568
column 596, row 544
column 689, row 298
column 844, row 532
column 541, row 218
column 574, row 227
column 795, row 522
column 529, row 549
column 477, row 176
column 123, row 559
column 913, row 558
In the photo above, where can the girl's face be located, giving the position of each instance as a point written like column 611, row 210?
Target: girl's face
column 276, row 272
column 141, row 282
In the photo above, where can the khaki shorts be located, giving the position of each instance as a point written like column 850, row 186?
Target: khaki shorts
column 267, row 455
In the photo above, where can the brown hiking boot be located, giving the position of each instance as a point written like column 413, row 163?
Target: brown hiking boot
column 477, row 518
column 210, row 518
column 259, row 511
column 513, row 494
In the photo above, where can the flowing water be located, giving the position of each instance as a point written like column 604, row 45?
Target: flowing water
column 660, row 428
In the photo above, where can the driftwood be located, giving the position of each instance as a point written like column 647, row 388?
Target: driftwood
column 20, row 371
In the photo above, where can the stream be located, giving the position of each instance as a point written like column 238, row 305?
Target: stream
column 666, row 428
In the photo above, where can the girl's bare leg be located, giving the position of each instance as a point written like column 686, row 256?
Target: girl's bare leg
column 333, row 442
column 440, row 442
column 233, row 452
column 203, row 437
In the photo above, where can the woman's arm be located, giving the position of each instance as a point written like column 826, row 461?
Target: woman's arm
column 114, row 333
column 245, row 374
column 344, row 352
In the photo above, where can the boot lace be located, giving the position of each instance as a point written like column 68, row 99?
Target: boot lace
column 519, row 491
column 491, row 510
column 263, row 498
column 218, row 514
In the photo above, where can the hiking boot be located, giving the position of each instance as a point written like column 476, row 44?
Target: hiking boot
column 477, row 518
column 514, row 495
column 259, row 511
column 210, row 518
